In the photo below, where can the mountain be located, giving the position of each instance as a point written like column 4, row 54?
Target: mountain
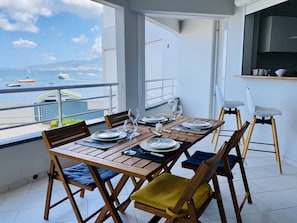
column 94, row 64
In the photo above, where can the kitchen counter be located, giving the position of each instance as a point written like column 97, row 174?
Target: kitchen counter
column 265, row 77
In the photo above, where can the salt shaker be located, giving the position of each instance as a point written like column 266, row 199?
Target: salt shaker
column 159, row 127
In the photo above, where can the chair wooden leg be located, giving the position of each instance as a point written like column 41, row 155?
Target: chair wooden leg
column 248, row 139
column 73, row 203
column 82, row 193
column 155, row 219
column 68, row 190
column 217, row 132
column 276, row 147
column 221, row 117
column 111, row 189
column 108, row 199
column 49, row 192
column 234, row 199
column 170, row 220
column 246, row 186
column 218, row 197
column 239, row 123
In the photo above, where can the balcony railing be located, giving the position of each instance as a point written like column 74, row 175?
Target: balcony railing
column 41, row 107
column 158, row 91
column 45, row 105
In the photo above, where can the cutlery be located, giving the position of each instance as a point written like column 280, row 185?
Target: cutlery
column 154, row 132
column 151, row 153
column 179, row 142
column 142, row 122
column 166, row 130
column 191, row 129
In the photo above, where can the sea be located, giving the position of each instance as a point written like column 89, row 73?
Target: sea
column 45, row 79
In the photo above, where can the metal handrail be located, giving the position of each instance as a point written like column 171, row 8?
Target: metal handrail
column 157, row 91
column 58, row 101
column 61, row 87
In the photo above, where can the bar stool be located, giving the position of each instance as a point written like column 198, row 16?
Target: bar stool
column 262, row 115
column 229, row 108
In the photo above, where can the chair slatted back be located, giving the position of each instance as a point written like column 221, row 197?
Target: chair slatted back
column 116, row 119
column 205, row 172
column 61, row 136
column 236, row 136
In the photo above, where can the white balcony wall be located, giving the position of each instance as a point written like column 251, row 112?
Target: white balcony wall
column 196, row 61
column 20, row 162
column 162, row 52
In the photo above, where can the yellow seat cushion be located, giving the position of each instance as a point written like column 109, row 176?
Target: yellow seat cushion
column 164, row 192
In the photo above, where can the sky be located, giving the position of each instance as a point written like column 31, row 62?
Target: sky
column 34, row 32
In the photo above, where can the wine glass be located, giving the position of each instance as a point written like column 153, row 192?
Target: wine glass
column 172, row 103
column 178, row 112
column 130, row 129
column 134, row 115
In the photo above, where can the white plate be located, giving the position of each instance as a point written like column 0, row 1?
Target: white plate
column 121, row 136
column 147, row 147
column 197, row 124
column 161, row 143
column 108, row 133
column 153, row 119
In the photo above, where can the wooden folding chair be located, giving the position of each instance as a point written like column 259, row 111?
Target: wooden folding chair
column 179, row 199
column 77, row 175
column 226, row 166
column 116, row 119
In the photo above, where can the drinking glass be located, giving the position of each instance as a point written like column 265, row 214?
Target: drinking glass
column 130, row 128
column 178, row 112
column 172, row 103
column 134, row 115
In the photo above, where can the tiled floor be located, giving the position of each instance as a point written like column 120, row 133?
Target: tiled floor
column 274, row 196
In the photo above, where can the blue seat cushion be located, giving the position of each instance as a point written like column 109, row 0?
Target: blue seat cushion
column 80, row 173
column 199, row 156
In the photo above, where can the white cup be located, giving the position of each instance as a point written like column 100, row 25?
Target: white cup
column 255, row 71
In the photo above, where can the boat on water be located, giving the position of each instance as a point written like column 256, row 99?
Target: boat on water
column 13, row 85
column 63, row 76
column 26, row 80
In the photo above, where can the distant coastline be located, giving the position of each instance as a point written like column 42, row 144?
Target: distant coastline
column 71, row 65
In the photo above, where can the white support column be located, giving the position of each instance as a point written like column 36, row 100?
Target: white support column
column 130, row 59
